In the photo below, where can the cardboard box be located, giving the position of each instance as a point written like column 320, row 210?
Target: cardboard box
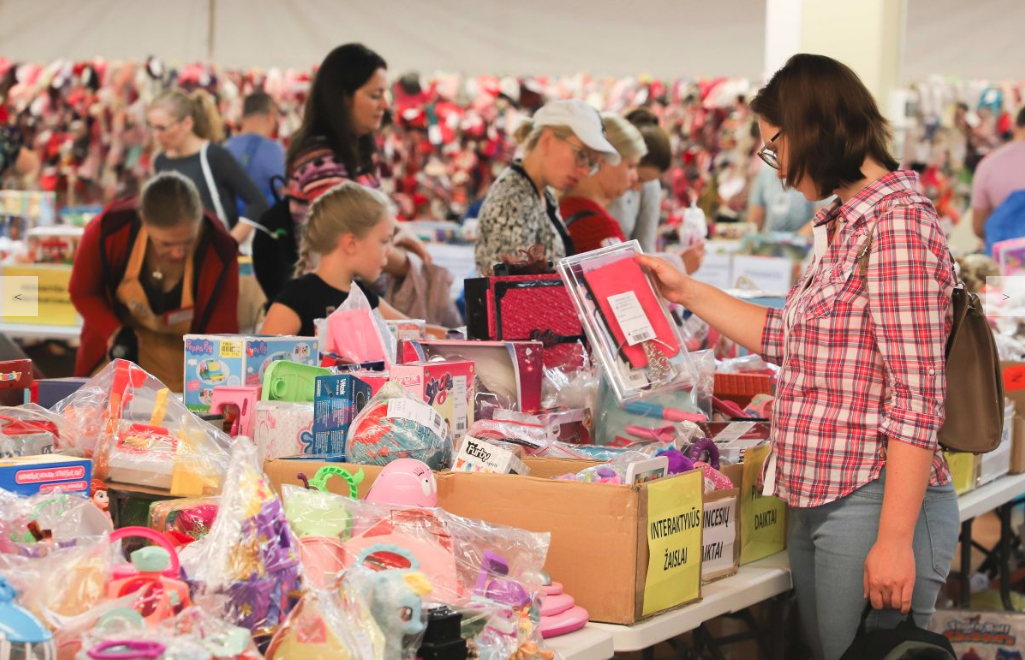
column 28, row 475
column 964, row 470
column 447, row 386
column 282, row 428
column 997, row 463
column 763, row 520
column 509, row 370
column 601, row 533
column 1014, row 389
column 233, row 360
column 337, row 401
column 720, row 550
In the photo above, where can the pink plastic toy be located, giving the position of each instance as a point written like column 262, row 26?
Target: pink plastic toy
column 160, row 596
column 557, row 604
column 553, row 589
column 120, row 572
column 405, row 482
column 566, row 622
column 322, row 557
column 244, row 400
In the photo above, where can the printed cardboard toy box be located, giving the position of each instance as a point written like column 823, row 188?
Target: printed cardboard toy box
column 982, row 635
column 233, row 360
column 624, row 552
column 447, row 386
column 763, row 520
column 28, row 475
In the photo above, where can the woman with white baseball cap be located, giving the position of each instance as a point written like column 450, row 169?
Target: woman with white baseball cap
column 563, row 143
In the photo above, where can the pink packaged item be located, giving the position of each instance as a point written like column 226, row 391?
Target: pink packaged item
column 509, row 373
column 445, row 385
column 356, row 334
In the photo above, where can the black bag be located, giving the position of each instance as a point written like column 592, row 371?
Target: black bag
column 905, row 642
column 274, row 250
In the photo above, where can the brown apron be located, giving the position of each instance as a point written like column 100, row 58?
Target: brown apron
column 160, row 338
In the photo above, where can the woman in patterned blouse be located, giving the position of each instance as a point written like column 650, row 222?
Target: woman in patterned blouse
column 861, row 340
column 563, row 144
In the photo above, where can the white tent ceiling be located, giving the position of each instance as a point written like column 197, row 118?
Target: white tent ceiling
column 665, row 38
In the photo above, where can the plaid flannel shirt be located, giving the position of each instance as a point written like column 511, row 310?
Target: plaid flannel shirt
column 864, row 355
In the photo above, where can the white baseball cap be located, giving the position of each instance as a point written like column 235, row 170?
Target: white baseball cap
column 585, row 122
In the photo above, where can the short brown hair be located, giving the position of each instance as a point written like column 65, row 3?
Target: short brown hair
column 1020, row 121
column 830, row 119
column 170, row 199
column 660, row 150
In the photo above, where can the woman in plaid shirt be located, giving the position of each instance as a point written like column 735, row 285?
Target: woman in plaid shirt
column 861, row 343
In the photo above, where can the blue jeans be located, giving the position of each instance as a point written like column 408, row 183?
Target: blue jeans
column 828, row 546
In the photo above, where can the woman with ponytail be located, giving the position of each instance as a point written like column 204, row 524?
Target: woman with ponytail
column 187, row 127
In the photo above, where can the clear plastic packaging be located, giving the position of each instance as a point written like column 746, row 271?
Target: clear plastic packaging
column 245, row 568
column 28, row 430
column 629, row 327
column 394, row 425
column 221, row 639
column 396, row 600
column 355, row 333
column 468, row 563
column 345, row 627
column 138, row 432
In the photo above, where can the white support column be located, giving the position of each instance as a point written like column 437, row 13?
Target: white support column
column 866, row 35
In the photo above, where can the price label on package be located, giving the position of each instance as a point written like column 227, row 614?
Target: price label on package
column 631, row 318
column 421, row 413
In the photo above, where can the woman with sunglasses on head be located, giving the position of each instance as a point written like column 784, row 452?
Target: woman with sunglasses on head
column 564, row 143
column 149, row 271
column 584, row 206
column 187, row 127
column 861, row 340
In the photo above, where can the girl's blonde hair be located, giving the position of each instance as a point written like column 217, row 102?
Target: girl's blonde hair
column 625, row 137
column 200, row 105
column 529, row 135
column 348, row 208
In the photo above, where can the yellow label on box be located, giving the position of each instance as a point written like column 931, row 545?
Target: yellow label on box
column 37, row 295
column 674, row 542
column 231, row 348
column 763, row 524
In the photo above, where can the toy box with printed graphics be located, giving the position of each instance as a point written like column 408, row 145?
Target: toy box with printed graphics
column 481, row 456
column 337, row 401
column 979, row 635
column 447, row 386
column 28, row 475
column 508, row 372
column 233, row 360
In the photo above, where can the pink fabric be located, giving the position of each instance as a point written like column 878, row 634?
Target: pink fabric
column 998, row 175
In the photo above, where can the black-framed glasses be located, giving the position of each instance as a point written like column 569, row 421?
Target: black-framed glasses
column 768, row 154
column 584, row 158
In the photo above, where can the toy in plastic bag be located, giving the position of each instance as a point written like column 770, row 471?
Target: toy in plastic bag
column 357, row 334
column 183, row 521
column 395, row 598
column 468, row 562
column 28, row 430
column 250, row 557
column 329, row 624
column 139, row 433
column 395, row 425
column 32, row 526
column 222, row 640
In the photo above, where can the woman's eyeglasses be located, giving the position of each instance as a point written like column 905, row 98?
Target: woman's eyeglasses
column 584, row 158
column 768, row 154
column 159, row 128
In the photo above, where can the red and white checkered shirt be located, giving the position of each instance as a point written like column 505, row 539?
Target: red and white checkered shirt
column 863, row 357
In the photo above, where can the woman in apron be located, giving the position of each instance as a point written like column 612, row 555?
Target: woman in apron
column 148, row 272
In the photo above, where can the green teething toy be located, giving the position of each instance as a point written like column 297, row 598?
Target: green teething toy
column 324, row 474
